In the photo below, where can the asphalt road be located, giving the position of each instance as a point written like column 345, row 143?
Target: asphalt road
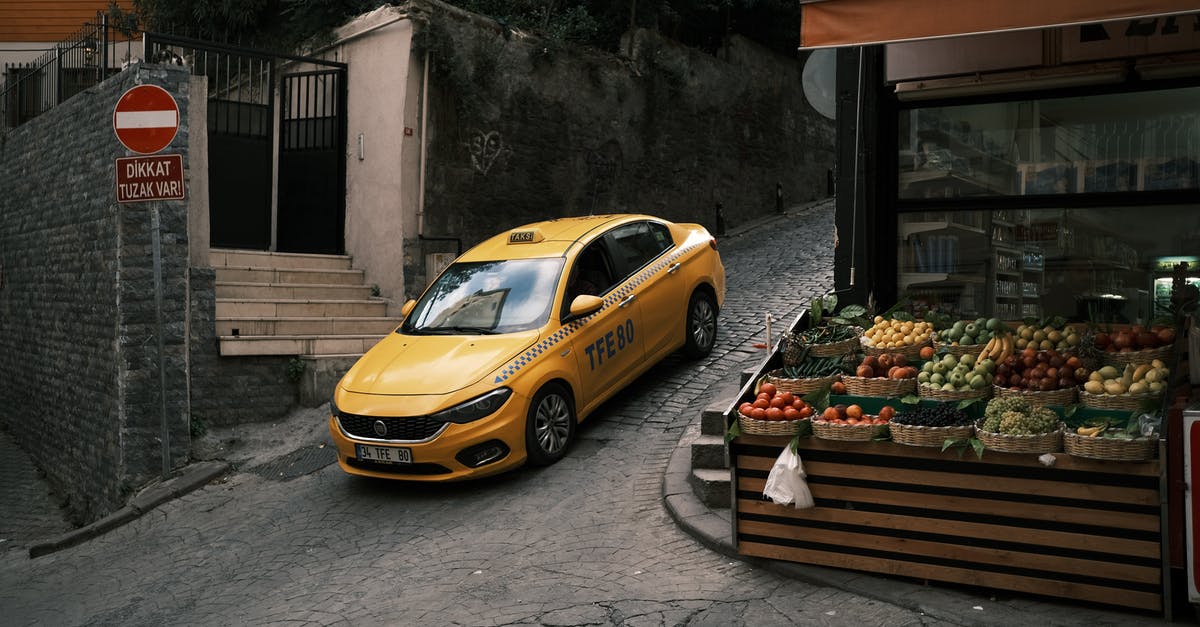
column 584, row 542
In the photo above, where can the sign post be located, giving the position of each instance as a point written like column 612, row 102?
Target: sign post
column 146, row 120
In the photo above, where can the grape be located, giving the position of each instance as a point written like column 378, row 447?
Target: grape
column 941, row 415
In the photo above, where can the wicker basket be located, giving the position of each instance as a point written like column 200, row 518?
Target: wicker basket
column 956, row 349
column 1040, row 443
column 770, row 427
column 913, row 352
column 1130, row 402
column 938, row 394
column 879, row 386
column 1061, row 398
column 1113, row 449
column 798, row 386
column 1136, row 357
column 913, row 435
column 838, row 431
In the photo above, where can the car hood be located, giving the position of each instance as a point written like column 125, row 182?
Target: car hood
column 432, row 364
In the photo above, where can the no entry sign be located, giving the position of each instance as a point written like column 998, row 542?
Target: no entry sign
column 146, row 119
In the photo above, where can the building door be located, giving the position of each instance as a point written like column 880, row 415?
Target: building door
column 312, row 164
column 239, row 174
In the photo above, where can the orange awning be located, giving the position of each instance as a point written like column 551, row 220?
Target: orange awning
column 829, row 23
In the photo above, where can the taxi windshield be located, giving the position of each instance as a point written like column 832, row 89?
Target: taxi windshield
column 483, row 298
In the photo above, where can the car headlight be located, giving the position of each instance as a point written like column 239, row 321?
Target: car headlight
column 476, row 408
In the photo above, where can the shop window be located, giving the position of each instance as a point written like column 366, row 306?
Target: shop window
column 1127, row 142
column 1108, row 264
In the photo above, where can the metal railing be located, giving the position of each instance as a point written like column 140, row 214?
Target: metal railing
column 75, row 64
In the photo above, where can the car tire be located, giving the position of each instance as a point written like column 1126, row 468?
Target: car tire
column 701, row 325
column 550, row 425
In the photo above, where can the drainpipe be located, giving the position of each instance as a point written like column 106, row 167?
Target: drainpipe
column 421, row 176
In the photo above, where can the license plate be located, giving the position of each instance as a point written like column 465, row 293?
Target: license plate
column 383, row 454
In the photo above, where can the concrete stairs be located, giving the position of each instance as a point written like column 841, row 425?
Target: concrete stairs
column 314, row 307
column 710, row 477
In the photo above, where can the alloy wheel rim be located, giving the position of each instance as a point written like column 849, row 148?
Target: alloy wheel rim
column 552, row 423
column 703, row 324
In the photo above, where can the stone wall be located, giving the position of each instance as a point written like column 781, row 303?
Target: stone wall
column 521, row 129
column 79, row 376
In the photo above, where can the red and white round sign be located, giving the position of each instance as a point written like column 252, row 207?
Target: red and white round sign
column 146, row 119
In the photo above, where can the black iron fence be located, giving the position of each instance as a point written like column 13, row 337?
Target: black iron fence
column 29, row 89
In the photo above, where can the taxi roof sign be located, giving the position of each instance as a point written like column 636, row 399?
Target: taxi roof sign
column 525, row 236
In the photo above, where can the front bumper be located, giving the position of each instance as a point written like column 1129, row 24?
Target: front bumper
column 438, row 458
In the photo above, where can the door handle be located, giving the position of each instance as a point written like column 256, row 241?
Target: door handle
column 625, row 303
column 674, row 267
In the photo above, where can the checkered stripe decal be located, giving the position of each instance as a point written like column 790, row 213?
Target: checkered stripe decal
column 536, row 351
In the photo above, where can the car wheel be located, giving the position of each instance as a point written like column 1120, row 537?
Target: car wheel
column 550, row 425
column 701, row 325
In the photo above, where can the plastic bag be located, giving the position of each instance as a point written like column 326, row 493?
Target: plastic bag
column 786, row 484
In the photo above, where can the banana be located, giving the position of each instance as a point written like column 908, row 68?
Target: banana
column 1091, row 432
column 988, row 348
column 1006, row 350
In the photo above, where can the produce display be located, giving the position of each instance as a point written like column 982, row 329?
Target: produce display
column 1013, row 415
column 955, row 374
column 1053, row 334
column 853, row 415
column 941, row 415
column 1135, row 338
column 812, row 367
column 1132, row 379
column 773, row 405
column 1041, row 371
column 887, row 365
column 971, row 333
column 896, row 333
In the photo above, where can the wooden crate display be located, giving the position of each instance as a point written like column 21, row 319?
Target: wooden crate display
column 1084, row 530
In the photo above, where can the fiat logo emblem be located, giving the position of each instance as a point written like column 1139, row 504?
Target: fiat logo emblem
column 380, row 428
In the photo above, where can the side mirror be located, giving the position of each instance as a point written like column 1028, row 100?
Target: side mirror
column 407, row 308
column 585, row 304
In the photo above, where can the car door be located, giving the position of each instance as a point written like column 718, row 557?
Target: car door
column 640, row 252
column 607, row 344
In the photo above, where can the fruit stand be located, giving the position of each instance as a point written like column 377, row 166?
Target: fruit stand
column 1043, row 505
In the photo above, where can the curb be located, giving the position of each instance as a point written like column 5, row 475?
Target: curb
column 192, row 477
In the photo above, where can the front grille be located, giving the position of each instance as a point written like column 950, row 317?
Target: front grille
column 414, row 429
column 399, row 469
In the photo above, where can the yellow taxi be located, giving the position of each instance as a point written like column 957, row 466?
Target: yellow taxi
column 520, row 339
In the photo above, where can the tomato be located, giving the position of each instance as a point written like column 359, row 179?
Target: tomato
column 791, row 413
column 799, row 403
column 746, row 410
column 758, row 413
column 764, row 396
column 788, row 397
column 761, row 403
column 768, row 388
column 806, row 411
column 774, row 413
column 778, row 402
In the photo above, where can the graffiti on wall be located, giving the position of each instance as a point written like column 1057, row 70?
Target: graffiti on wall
column 603, row 164
column 485, row 148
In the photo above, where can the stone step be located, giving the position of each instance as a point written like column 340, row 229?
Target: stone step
column 226, row 258
column 292, row 308
column 712, row 419
column 708, row 452
column 711, row 486
column 285, row 291
column 289, row 276
column 321, row 373
column 314, row 325
column 244, row 345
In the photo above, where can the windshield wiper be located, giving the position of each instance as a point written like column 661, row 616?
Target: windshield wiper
column 453, row 330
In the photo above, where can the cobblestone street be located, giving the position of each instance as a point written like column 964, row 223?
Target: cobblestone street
column 586, row 541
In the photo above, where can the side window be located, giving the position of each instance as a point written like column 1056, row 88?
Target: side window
column 590, row 274
column 634, row 245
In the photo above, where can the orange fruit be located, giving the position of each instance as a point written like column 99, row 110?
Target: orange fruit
column 926, row 353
